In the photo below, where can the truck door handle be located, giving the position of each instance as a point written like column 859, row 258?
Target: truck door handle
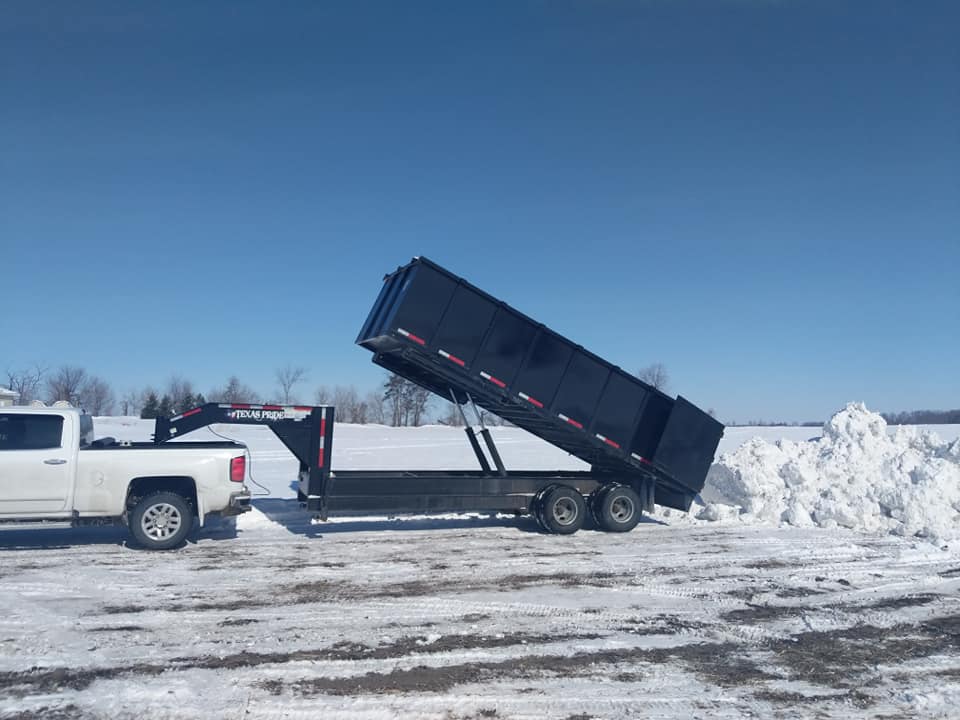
column 55, row 461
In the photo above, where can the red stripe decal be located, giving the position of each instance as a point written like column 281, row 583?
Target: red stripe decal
column 498, row 383
column 416, row 339
column 610, row 442
column 272, row 407
column 535, row 401
column 192, row 412
column 240, row 406
column 320, row 458
column 575, row 423
column 301, row 408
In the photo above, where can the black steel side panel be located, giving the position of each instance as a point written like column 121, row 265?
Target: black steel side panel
column 436, row 329
column 689, row 441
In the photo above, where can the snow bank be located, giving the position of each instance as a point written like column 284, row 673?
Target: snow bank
column 856, row 475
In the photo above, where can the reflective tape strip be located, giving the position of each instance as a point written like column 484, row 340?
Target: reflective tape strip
column 532, row 401
column 491, row 378
column 608, row 441
column 323, row 433
column 570, row 420
column 641, row 459
column 451, row 358
column 411, row 336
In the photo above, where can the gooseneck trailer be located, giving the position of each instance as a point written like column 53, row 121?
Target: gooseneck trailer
column 448, row 336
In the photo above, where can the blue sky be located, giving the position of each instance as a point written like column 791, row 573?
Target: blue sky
column 764, row 196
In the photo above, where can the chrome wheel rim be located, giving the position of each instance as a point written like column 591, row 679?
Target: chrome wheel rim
column 161, row 521
column 565, row 511
column 621, row 509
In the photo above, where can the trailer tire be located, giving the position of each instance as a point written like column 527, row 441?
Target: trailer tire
column 161, row 520
column 536, row 506
column 619, row 509
column 564, row 510
column 596, row 500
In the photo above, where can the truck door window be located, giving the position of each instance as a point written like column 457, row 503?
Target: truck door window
column 30, row 432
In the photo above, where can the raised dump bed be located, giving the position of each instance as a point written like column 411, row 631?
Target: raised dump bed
column 436, row 329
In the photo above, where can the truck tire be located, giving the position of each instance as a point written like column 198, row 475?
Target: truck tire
column 161, row 520
column 564, row 510
column 619, row 509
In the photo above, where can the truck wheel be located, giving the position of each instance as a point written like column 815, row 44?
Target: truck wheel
column 161, row 520
column 619, row 509
column 564, row 510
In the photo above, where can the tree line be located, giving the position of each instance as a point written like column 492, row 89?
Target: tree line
column 923, row 417
column 397, row 401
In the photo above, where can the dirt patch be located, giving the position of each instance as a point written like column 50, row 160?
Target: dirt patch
column 721, row 664
column 119, row 628
column 660, row 625
column 771, row 564
column 45, row 680
column 790, row 699
column 235, row 622
column 595, row 579
column 62, row 712
column 896, row 603
column 474, row 617
column 798, row 592
column 123, row 609
column 839, row 658
column 753, row 614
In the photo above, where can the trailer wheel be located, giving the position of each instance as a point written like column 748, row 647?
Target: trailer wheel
column 536, row 506
column 564, row 510
column 596, row 500
column 619, row 509
column 161, row 520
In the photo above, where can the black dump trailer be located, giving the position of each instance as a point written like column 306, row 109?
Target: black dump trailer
column 439, row 331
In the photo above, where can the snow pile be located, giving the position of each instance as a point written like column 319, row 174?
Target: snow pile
column 855, row 476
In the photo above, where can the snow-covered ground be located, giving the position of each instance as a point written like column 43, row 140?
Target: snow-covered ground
column 472, row 617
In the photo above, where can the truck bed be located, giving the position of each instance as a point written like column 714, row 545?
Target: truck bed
column 439, row 331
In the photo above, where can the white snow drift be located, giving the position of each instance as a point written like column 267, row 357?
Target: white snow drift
column 857, row 475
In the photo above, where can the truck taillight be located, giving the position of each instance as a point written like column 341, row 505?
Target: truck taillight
column 238, row 468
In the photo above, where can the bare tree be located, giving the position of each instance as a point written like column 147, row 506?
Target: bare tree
column 419, row 401
column 180, row 392
column 375, row 409
column 234, row 392
column 96, row 397
column 131, row 402
column 394, row 400
column 452, row 417
column 405, row 402
column 26, row 383
column 323, row 395
column 346, row 401
column 655, row 375
column 287, row 377
column 66, row 384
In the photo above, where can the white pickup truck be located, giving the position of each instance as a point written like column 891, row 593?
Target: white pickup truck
column 53, row 471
